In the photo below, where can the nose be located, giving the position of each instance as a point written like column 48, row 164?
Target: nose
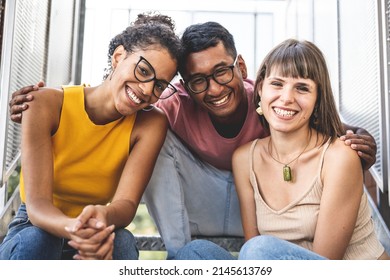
column 214, row 89
column 147, row 88
column 287, row 95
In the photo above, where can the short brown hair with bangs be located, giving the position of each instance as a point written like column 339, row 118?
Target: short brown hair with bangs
column 303, row 59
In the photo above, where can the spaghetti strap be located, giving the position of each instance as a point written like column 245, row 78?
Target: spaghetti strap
column 325, row 148
column 251, row 154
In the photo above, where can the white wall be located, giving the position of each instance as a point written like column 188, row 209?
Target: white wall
column 255, row 25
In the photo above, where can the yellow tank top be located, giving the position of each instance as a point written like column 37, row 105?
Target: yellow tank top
column 88, row 158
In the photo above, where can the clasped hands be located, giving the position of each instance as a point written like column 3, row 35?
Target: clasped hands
column 90, row 235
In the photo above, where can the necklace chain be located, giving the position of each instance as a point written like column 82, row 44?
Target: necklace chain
column 287, row 174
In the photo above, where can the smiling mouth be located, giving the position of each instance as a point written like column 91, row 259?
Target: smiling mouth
column 132, row 96
column 284, row 113
column 220, row 101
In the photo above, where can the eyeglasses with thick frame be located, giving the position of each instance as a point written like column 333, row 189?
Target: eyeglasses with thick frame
column 144, row 73
column 222, row 75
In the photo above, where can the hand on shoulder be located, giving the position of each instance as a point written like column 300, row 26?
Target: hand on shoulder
column 342, row 166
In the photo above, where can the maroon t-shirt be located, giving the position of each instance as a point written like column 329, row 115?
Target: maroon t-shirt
column 193, row 125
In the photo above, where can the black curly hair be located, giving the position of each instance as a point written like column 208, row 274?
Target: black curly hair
column 148, row 29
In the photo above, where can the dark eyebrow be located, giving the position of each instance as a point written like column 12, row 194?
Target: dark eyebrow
column 215, row 67
column 276, row 78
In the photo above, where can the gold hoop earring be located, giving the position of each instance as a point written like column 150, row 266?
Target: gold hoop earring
column 148, row 108
column 259, row 110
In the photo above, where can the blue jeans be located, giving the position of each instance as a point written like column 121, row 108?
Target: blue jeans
column 266, row 247
column 188, row 197
column 24, row 241
column 203, row 250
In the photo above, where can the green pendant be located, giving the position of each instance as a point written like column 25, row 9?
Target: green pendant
column 287, row 173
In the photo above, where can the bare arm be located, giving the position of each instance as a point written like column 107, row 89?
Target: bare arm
column 147, row 139
column 342, row 192
column 245, row 191
column 37, row 163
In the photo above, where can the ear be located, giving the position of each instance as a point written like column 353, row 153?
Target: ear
column 259, row 89
column 119, row 54
column 242, row 66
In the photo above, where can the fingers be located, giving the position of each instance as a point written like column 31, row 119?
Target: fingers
column 367, row 160
column 104, row 252
column 17, row 118
column 347, row 133
column 18, row 103
column 40, row 84
column 16, row 111
column 364, row 145
column 82, row 234
column 88, row 218
column 25, row 90
column 90, row 244
column 95, row 223
column 100, row 246
column 358, row 139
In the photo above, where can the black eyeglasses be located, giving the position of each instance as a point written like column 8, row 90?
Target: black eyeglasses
column 222, row 76
column 144, row 73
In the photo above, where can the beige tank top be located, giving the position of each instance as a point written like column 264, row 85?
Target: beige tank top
column 297, row 221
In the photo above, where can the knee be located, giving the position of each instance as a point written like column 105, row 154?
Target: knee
column 34, row 243
column 203, row 250
column 194, row 250
column 125, row 245
column 258, row 247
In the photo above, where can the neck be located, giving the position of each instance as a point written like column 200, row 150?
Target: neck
column 286, row 147
column 231, row 125
column 99, row 105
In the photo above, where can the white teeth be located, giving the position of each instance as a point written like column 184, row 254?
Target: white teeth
column 284, row 113
column 133, row 96
column 219, row 102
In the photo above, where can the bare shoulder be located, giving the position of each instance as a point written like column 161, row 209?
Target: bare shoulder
column 242, row 153
column 45, row 111
column 153, row 117
column 47, row 96
column 340, row 158
column 338, row 151
column 152, row 124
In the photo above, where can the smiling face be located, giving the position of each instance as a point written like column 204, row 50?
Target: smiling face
column 131, row 93
column 221, row 101
column 287, row 102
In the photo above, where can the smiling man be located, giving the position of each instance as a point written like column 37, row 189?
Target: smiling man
column 192, row 189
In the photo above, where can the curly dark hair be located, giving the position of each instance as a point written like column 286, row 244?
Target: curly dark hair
column 148, row 29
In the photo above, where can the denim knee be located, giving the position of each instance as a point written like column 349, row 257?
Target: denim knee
column 125, row 245
column 32, row 243
column 259, row 247
column 266, row 247
column 203, row 250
